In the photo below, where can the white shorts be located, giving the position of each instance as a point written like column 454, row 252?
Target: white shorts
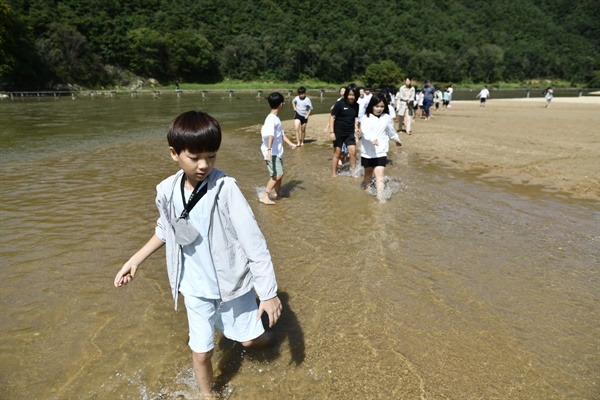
column 236, row 319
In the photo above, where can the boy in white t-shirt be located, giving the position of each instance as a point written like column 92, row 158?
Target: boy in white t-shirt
column 272, row 147
column 483, row 96
column 302, row 109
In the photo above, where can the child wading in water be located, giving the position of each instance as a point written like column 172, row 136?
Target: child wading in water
column 216, row 254
column 272, row 147
column 343, row 125
column 377, row 128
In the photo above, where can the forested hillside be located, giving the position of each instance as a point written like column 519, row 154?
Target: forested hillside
column 44, row 43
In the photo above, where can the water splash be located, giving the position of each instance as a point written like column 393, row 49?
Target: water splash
column 392, row 185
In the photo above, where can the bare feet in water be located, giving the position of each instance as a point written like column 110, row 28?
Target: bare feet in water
column 265, row 199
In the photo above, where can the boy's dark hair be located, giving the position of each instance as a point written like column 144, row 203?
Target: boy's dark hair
column 376, row 99
column 275, row 99
column 196, row 132
column 352, row 88
column 301, row 90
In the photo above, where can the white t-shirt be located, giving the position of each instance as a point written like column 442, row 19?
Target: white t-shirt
column 484, row 94
column 272, row 127
column 198, row 276
column 363, row 103
column 303, row 106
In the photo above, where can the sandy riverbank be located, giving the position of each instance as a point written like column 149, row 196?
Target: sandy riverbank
column 517, row 140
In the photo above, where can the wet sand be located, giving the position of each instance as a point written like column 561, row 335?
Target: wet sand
column 517, row 141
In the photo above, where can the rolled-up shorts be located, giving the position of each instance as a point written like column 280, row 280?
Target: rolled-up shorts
column 236, row 319
column 348, row 140
column 275, row 166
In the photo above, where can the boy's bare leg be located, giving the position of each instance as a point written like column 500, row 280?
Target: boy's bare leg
column 337, row 152
column 204, row 373
column 265, row 197
column 303, row 134
column 352, row 155
column 277, row 187
column 297, row 131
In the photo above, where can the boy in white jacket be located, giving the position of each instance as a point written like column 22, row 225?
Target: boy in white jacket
column 216, row 255
column 377, row 128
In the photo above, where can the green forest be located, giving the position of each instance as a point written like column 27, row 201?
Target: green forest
column 52, row 44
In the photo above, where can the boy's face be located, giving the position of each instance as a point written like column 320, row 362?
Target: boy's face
column 302, row 96
column 196, row 166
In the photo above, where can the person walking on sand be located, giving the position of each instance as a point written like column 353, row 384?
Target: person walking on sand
column 446, row 99
column 428, row 95
column 343, row 123
column 216, row 255
column 438, row 99
column 302, row 109
column 420, row 98
column 272, row 147
column 404, row 104
column 483, row 96
column 377, row 129
column 548, row 94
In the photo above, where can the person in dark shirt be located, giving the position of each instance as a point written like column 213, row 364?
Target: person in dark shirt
column 343, row 123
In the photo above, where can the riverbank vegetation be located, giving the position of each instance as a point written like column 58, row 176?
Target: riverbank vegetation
column 128, row 43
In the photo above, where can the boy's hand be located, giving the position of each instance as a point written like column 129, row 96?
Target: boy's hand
column 126, row 274
column 273, row 309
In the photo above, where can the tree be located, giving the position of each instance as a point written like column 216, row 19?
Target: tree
column 19, row 58
column 383, row 74
column 191, row 57
column 69, row 57
column 490, row 63
column 148, row 55
column 243, row 58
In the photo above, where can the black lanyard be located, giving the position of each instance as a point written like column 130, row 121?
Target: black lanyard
column 198, row 192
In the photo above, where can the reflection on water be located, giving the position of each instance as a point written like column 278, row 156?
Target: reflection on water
column 454, row 288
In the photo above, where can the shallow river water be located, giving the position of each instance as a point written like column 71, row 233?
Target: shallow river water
column 456, row 288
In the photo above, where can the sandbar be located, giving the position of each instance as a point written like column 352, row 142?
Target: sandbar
column 517, row 140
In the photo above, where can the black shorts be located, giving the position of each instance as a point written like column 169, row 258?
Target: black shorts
column 483, row 99
column 302, row 119
column 348, row 140
column 373, row 162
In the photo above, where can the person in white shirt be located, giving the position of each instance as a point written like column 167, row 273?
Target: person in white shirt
column 450, row 90
column 483, row 95
column 405, row 99
column 302, row 109
column 548, row 94
column 272, row 147
column 377, row 128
